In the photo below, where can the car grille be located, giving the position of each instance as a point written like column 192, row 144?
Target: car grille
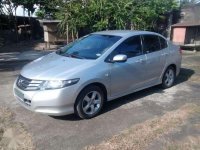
column 28, row 84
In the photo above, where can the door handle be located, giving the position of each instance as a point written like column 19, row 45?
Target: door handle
column 140, row 60
column 164, row 54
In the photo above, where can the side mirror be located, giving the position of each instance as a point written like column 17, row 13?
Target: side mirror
column 120, row 58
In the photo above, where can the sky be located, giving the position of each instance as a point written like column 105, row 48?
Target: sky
column 20, row 11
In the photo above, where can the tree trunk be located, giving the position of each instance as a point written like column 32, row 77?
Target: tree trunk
column 67, row 34
column 24, row 24
column 132, row 26
column 30, row 23
column 72, row 35
column 77, row 35
column 15, row 23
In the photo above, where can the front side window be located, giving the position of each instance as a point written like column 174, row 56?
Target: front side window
column 151, row 43
column 130, row 47
column 89, row 47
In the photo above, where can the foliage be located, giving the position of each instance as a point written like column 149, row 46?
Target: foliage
column 1, row 7
column 95, row 15
column 7, row 7
column 47, row 7
column 40, row 13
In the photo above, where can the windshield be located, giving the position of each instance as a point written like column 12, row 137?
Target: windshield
column 89, row 47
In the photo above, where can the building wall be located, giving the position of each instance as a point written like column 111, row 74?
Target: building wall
column 179, row 35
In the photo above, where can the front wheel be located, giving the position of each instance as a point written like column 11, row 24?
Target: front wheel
column 89, row 102
column 168, row 78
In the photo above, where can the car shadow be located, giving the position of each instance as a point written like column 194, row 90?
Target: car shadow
column 71, row 117
column 185, row 74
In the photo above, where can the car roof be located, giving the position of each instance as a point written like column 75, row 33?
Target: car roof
column 124, row 33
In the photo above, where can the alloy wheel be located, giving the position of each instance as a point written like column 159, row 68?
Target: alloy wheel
column 169, row 77
column 91, row 102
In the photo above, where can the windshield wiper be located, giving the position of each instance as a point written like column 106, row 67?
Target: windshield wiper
column 73, row 56
column 76, row 56
column 59, row 51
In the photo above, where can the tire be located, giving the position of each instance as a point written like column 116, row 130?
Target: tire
column 168, row 78
column 90, row 102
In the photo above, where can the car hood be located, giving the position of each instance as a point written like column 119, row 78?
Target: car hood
column 55, row 67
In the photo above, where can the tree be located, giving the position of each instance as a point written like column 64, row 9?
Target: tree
column 47, row 7
column 1, row 7
column 95, row 15
column 7, row 7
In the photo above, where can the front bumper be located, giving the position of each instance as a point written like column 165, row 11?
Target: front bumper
column 56, row 102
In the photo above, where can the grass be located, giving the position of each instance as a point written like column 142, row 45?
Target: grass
column 189, row 143
column 139, row 136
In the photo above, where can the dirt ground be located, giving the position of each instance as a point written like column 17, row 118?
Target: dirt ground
column 150, row 119
column 12, row 133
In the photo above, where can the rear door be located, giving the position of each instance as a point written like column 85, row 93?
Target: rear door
column 156, row 56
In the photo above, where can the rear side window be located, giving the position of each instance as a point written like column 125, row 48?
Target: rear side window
column 130, row 47
column 151, row 43
column 163, row 43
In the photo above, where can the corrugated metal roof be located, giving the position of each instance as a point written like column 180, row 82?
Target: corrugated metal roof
column 49, row 21
column 187, row 24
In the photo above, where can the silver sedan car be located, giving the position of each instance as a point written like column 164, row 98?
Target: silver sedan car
column 80, row 77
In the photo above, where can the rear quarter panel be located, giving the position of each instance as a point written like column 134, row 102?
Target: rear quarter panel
column 174, row 56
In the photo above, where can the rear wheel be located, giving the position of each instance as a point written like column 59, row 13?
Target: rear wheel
column 168, row 78
column 89, row 102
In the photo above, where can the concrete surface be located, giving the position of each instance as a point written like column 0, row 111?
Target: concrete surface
column 69, row 132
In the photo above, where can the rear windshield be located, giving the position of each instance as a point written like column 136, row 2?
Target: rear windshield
column 89, row 47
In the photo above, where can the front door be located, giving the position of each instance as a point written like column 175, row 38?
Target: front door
column 130, row 75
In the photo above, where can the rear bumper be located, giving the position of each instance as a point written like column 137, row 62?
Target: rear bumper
column 51, row 102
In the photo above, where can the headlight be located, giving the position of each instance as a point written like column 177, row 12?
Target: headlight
column 57, row 84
